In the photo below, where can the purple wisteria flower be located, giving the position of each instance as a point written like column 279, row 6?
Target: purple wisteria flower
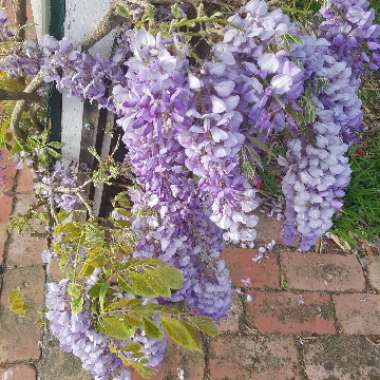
column 154, row 108
column 318, row 171
column 354, row 37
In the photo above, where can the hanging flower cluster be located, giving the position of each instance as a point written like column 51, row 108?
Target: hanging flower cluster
column 354, row 38
column 186, row 128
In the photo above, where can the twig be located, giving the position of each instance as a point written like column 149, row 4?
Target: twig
column 88, row 207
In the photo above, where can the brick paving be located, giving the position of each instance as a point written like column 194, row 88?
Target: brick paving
column 311, row 317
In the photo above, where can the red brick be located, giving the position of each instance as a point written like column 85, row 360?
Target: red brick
column 341, row 358
column 176, row 359
column 25, row 181
column 335, row 273
column 374, row 272
column 8, row 171
column 358, row 314
column 25, row 250
column 20, row 336
column 289, row 313
column 5, row 208
column 264, row 274
column 257, row 357
column 231, row 322
column 20, row 372
column 3, row 239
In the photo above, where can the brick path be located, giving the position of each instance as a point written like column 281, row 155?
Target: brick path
column 312, row 316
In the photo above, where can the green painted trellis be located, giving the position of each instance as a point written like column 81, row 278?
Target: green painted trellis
column 56, row 29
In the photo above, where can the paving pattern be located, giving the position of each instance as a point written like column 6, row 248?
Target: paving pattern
column 306, row 317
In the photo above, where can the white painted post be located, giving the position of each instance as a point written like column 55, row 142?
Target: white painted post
column 82, row 18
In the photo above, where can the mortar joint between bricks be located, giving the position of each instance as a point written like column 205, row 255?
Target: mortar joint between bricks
column 364, row 267
column 301, row 356
column 282, row 280
column 338, row 326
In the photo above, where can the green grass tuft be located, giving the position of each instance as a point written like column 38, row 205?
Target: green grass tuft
column 360, row 219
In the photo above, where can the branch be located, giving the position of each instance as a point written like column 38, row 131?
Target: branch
column 109, row 22
column 11, row 95
column 106, row 25
column 20, row 105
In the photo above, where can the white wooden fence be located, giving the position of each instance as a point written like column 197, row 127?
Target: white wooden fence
column 80, row 121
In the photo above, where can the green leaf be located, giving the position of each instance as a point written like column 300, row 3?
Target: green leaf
column 205, row 325
column 103, row 291
column 77, row 305
column 87, row 270
column 115, row 328
column 172, row 277
column 122, row 199
column 94, row 291
column 52, row 152
column 124, row 212
column 151, row 329
column 123, row 285
column 124, row 303
column 141, row 285
column 17, row 304
column 182, row 333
